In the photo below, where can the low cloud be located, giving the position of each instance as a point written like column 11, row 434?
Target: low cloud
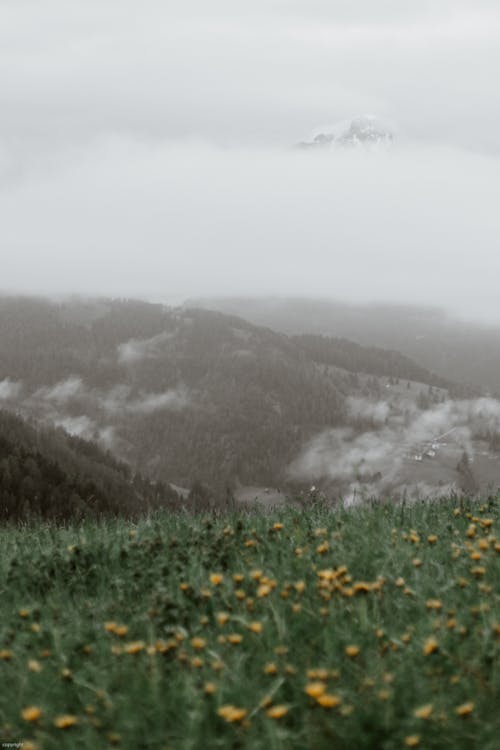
column 136, row 350
column 61, row 392
column 376, row 460
column 9, row 389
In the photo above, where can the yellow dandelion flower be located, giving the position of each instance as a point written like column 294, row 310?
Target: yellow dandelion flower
column 184, row 586
column 352, row 651
column 134, row 647
column 432, row 538
column 110, row 626
column 277, row 712
column 198, row 643
column 121, row 631
column 35, row 627
column 281, row 650
column 318, row 674
column 197, row 663
column 465, row 709
column 263, row 590
column 328, row 700
column 424, row 712
column 270, row 668
column 222, row 617
column 478, row 571
column 400, row 582
column 413, row 740
column 296, row 607
column 24, row 612
column 238, row 577
column 66, row 674
column 256, row 574
column 5, row 654
column 34, row 666
column 430, row 646
column 322, row 548
column 31, row 713
column 433, row 604
column 65, row 721
column 209, row 688
column 255, row 627
column 216, row 579
column 362, row 587
column 277, row 526
column 315, row 689
column 299, row 586
column 240, row 594
column 232, row 713
column 234, row 638
column 417, row 562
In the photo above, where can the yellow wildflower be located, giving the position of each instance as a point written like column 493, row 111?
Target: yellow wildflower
column 465, row 709
column 216, row 579
column 430, row 646
column 277, row 712
column 31, row 713
column 352, row 651
column 198, row 643
column 412, row 740
column 222, row 617
column 263, row 590
column 315, row 689
column 232, row 713
column 255, row 627
column 270, row 668
column 328, row 700
column 134, row 647
column 424, row 712
column 65, row 721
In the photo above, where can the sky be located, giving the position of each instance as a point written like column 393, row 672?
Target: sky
column 148, row 149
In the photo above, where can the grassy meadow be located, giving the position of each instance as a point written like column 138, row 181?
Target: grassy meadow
column 375, row 627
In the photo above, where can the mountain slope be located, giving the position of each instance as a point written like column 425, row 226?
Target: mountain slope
column 466, row 353
column 46, row 473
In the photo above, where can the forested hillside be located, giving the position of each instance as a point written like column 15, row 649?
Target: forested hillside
column 373, row 360
column 46, row 473
column 183, row 395
column 466, row 352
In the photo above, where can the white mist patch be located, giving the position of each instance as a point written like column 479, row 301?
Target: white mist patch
column 363, row 408
column 136, row 350
column 62, row 392
column 372, row 461
column 149, row 403
column 9, row 389
column 81, row 426
column 342, row 454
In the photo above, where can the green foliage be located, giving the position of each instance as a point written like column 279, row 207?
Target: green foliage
column 384, row 578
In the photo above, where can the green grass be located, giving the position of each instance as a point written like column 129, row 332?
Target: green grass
column 61, row 585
